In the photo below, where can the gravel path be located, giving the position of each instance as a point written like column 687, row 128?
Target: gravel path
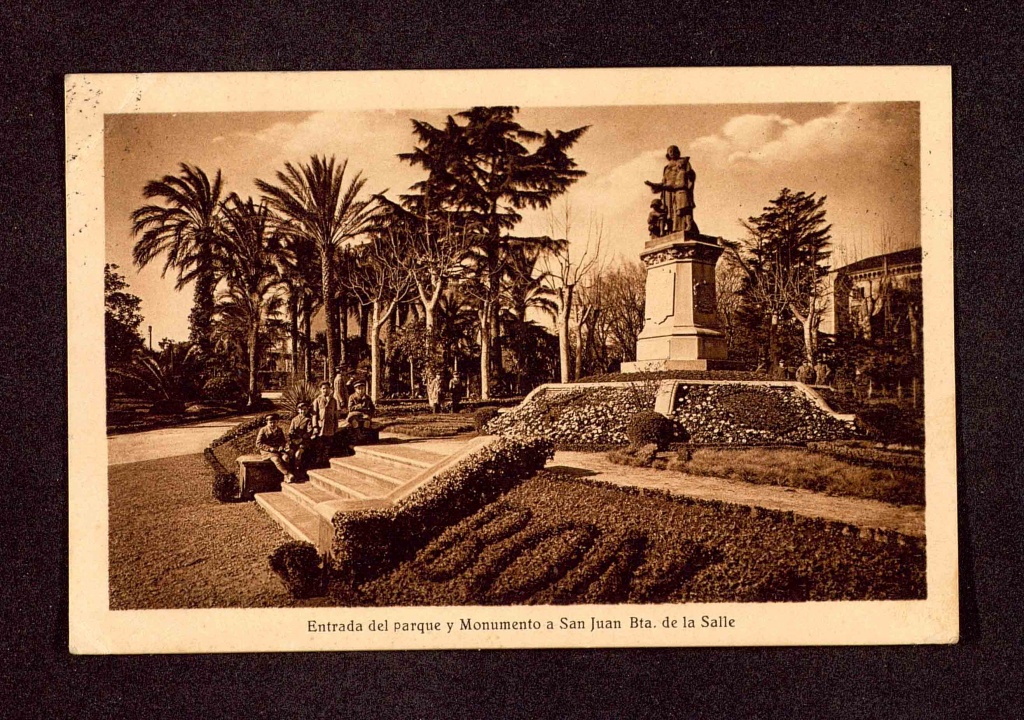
column 855, row 511
column 168, row 442
column 173, row 546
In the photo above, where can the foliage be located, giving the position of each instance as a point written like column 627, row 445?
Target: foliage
column 444, row 425
column 650, row 428
column 222, row 455
column 580, row 417
column 224, row 390
column 785, row 258
column 654, row 376
column 317, row 208
column 483, row 416
column 168, row 374
column 121, row 319
column 754, row 415
column 298, row 391
column 225, row 482
column 811, row 471
column 298, row 565
column 184, row 227
column 558, row 539
column 370, row 542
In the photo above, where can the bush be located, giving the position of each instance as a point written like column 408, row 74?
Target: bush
column 224, row 390
column 634, row 455
column 167, row 407
column 297, row 563
column 225, row 483
column 483, row 416
column 223, row 452
column 649, row 428
column 369, row 542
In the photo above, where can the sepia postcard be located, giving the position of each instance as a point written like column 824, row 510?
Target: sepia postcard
column 510, row 359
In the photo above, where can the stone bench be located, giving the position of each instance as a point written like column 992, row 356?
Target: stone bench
column 257, row 474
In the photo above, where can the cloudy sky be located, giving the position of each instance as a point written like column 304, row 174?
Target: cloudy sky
column 864, row 157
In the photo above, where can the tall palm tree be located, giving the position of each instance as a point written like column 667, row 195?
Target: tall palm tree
column 184, row 227
column 311, row 199
column 249, row 250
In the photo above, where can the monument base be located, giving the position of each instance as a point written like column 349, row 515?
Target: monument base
column 692, row 365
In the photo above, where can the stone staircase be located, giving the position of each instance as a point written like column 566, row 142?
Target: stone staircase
column 374, row 477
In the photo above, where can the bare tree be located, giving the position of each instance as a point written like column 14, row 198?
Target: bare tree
column 565, row 266
column 380, row 282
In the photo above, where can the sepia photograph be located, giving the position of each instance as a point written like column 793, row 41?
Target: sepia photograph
column 511, row 359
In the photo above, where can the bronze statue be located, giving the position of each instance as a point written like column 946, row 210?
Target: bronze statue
column 676, row 188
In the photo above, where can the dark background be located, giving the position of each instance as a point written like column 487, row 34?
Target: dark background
column 980, row 677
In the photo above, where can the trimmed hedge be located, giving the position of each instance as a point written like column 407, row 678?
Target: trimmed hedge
column 370, row 542
column 560, row 539
column 298, row 565
column 754, row 415
column 222, row 454
column 650, row 428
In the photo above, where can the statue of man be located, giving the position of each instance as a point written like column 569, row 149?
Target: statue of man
column 676, row 188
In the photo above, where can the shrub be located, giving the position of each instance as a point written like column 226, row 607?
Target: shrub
column 225, row 483
column 297, row 563
column 224, row 390
column 634, row 456
column 167, row 407
column 483, row 416
column 649, row 428
column 369, row 542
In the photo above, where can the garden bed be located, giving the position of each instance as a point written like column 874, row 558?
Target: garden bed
column 659, row 375
column 578, row 417
column 557, row 539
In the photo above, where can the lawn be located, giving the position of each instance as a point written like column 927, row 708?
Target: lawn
column 173, row 546
column 559, row 539
column 808, row 470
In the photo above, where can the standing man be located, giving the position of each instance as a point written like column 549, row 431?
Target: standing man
column 325, row 421
column 340, row 387
column 456, row 390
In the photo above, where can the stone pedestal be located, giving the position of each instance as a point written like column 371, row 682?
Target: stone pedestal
column 680, row 320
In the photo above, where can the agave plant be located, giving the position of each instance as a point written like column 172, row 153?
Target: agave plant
column 298, row 391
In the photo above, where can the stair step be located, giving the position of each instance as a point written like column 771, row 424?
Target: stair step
column 401, row 455
column 355, row 484
column 298, row 520
column 310, row 494
column 375, row 467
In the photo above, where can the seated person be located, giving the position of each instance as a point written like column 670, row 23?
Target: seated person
column 300, row 437
column 360, row 407
column 270, row 443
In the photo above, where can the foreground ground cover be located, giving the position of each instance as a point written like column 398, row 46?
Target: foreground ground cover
column 173, row 546
column 561, row 539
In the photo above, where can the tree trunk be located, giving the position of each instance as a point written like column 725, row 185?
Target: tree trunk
column 484, row 315
column 374, row 331
column 563, row 348
column 254, row 333
column 327, row 278
column 293, row 329
column 307, row 339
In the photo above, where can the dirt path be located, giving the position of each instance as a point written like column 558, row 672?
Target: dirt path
column 856, row 511
column 168, row 442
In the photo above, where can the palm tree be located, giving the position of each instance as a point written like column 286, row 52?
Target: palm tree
column 184, row 227
column 247, row 261
column 312, row 202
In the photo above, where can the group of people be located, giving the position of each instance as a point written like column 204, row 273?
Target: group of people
column 314, row 430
